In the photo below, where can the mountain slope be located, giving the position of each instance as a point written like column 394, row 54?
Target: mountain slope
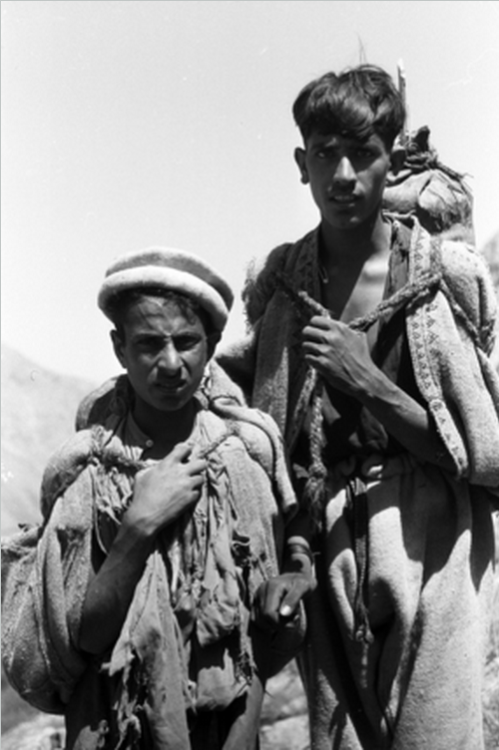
column 38, row 410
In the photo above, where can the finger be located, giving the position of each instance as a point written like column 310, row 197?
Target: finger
column 196, row 482
column 314, row 361
column 314, row 348
column 317, row 359
column 320, row 321
column 313, row 334
column 193, row 496
column 325, row 326
column 321, row 334
column 198, row 466
column 293, row 597
column 275, row 592
column 262, row 616
column 196, row 450
column 181, row 452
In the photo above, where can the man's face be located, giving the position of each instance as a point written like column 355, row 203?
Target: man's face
column 346, row 176
column 164, row 352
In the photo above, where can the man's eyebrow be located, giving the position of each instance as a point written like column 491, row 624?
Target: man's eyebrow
column 176, row 334
column 321, row 146
column 147, row 336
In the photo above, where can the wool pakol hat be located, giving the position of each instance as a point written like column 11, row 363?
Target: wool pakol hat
column 169, row 268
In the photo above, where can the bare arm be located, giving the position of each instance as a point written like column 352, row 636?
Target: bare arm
column 161, row 494
column 342, row 357
column 244, row 731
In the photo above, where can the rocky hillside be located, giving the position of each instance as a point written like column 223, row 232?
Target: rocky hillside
column 38, row 409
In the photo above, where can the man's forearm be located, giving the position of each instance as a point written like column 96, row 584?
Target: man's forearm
column 343, row 359
column 161, row 494
column 404, row 419
column 111, row 591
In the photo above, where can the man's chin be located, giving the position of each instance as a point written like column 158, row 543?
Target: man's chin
column 345, row 222
column 170, row 402
column 171, row 405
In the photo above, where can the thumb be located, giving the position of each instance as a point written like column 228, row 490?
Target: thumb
column 300, row 586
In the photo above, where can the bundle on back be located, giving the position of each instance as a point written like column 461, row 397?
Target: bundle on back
column 436, row 194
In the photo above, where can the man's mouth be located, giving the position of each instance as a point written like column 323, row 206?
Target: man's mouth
column 170, row 388
column 343, row 199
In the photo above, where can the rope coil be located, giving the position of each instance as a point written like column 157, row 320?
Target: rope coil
column 411, row 294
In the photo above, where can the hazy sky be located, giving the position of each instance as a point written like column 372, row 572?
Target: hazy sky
column 127, row 124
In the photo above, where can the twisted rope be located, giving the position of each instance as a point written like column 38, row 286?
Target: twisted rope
column 315, row 487
column 409, row 295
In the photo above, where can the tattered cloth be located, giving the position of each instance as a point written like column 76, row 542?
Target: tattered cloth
column 185, row 643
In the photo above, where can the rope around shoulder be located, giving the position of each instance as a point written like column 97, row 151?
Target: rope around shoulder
column 411, row 294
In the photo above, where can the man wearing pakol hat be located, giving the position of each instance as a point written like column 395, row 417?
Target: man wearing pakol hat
column 129, row 609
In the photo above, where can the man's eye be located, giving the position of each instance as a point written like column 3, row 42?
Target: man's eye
column 364, row 153
column 149, row 344
column 186, row 343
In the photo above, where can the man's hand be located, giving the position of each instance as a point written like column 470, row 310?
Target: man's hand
column 342, row 358
column 163, row 492
column 339, row 354
column 277, row 600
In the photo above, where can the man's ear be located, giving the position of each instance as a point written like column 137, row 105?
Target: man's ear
column 118, row 348
column 300, row 159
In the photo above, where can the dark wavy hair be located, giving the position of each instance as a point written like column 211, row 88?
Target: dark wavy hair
column 356, row 103
column 119, row 304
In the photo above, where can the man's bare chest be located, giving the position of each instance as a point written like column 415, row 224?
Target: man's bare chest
column 349, row 296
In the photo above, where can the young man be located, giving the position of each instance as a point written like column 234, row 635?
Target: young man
column 129, row 610
column 368, row 345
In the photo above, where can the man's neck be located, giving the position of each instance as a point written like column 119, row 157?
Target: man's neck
column 348, row 248
column 353, row 266
column 167, row 428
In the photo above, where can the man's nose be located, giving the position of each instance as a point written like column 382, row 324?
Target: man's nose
column 344, row 173
column 169, row 360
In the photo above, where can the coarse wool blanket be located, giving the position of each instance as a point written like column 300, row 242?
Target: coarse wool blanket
column 415, row 680
column 450, row 333
column 185, row 642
